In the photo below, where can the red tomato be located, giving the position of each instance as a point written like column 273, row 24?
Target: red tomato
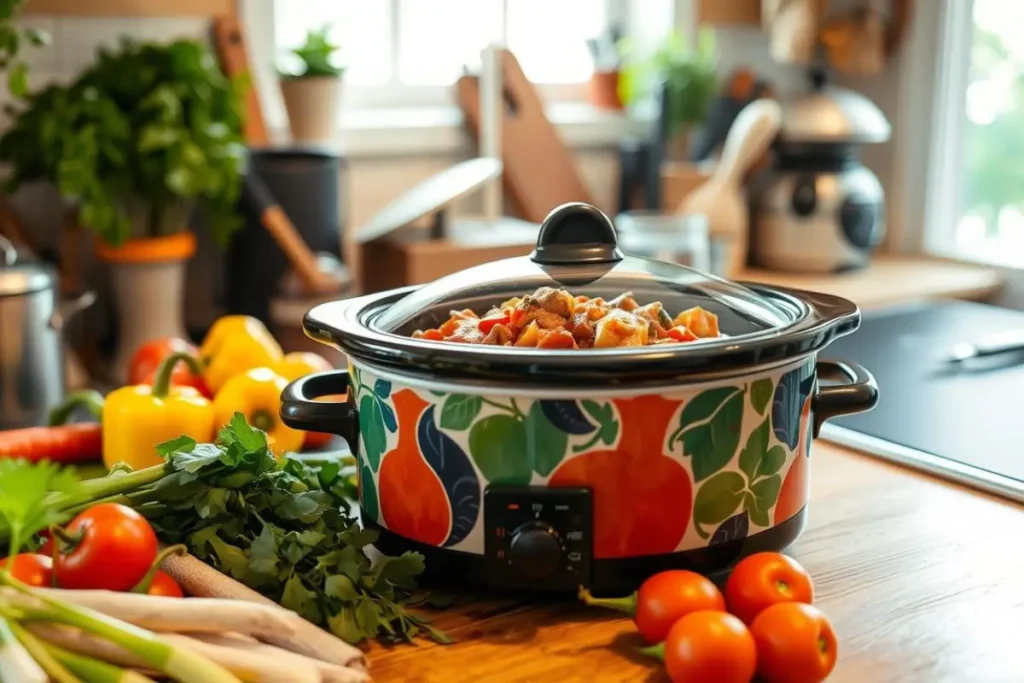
column 710, row 646
column 163, row 585
column 116, row 549
column 314, row 441
column 669, row 595
column 795, row 643
column 766, row 579
column 31, row 568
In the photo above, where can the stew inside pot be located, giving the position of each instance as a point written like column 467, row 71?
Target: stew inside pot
column 555, row 319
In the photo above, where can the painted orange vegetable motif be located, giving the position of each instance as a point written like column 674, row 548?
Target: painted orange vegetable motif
column 632, row 486
column 412, row 500
column 796, row 487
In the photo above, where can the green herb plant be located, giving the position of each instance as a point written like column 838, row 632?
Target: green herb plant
column 282, row 527
column 11, row 40
column 317, row 56
column 136, row 141
column 689, row 76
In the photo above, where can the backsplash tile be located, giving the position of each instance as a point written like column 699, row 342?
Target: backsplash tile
column 167, row 29
column 81, row 37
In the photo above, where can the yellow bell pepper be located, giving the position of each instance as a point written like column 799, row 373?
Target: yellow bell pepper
column 257, row 395
column 235, row 344
column 136, row 419
column 299, row 364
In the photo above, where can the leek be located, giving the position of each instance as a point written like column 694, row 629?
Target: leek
column 179, row 664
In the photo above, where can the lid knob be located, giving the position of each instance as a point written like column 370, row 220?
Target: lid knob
column 576, row 233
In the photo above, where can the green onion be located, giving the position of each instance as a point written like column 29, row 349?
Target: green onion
column 93, row 670
column 54, row 669
column 15, row 660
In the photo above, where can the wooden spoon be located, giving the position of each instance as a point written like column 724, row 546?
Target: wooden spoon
column 722, row 198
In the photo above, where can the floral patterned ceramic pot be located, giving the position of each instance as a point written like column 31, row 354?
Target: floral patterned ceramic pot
column 549, row 469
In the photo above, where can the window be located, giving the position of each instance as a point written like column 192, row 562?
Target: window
column 410, row 52
column 976, row 195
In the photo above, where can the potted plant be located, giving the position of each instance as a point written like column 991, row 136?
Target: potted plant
column 135, row 143
column 311, row 87
column 686, row 76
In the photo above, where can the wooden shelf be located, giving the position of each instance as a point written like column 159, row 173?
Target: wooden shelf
column 131, row 8
column 729, row 12
column 894, row 279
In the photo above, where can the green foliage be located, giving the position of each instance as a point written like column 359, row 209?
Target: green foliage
column 690, row 77
column 317, row 56
column 136, row 140
column 11, row 40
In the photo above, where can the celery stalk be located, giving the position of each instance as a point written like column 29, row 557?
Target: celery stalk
column 15, row 659
column 179, row 664
column 93, row 670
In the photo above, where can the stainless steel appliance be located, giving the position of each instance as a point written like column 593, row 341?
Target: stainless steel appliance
column 32, row 376
column 819, row 209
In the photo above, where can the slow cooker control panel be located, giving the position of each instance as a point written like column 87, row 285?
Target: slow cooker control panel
column 539, row 538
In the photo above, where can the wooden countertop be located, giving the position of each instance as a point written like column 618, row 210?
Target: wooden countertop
column 894, row 279
column 923, row 581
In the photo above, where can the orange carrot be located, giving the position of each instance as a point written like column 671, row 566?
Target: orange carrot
column 63, row 444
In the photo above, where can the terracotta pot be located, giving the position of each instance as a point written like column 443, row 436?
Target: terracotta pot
column 148, row 279
column 604, row 90
column 314, row 108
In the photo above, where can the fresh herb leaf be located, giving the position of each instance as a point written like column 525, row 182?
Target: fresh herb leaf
column 27, row 503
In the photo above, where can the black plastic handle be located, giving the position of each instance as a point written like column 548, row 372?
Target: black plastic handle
column 576, row 233
column 858, row 394
column 299, row 410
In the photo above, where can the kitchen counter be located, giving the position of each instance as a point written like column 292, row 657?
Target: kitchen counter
column 894, row 279
column 923, row 581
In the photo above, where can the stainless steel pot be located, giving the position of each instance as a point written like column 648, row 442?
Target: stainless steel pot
column 32, row 318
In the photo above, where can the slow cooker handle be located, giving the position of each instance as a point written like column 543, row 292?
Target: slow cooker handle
column 299, row 410
column 857, row 394
column 576, row 233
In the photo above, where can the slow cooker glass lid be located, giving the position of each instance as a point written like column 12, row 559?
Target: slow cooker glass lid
column 577, row 251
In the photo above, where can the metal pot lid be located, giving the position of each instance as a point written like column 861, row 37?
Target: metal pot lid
column 577, row 250
column 830, row 114
column 19, row 277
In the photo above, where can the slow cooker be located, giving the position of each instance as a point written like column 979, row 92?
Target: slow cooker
column 547, row 469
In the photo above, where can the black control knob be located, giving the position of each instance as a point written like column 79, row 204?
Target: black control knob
column 535, row 551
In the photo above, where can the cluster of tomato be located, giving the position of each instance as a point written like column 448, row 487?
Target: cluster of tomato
column 106, row 547
column 764, row 624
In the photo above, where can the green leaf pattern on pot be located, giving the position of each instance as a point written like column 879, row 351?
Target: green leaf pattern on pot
column 497, row 444
column 709, row 430
column 755, row 487
column 545, row 442
column 372, row 430
column 761, row 394
column 459, row 411
column 368, row 493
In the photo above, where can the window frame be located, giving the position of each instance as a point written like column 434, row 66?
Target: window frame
column 395, row 95
column 932, row 125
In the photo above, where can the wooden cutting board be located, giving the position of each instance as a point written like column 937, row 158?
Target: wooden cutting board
column 539, row 173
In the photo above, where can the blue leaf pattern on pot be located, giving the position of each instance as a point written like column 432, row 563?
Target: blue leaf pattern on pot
column 732, row 529
column 792, row 390
column 456, row 473
column 567, row 416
